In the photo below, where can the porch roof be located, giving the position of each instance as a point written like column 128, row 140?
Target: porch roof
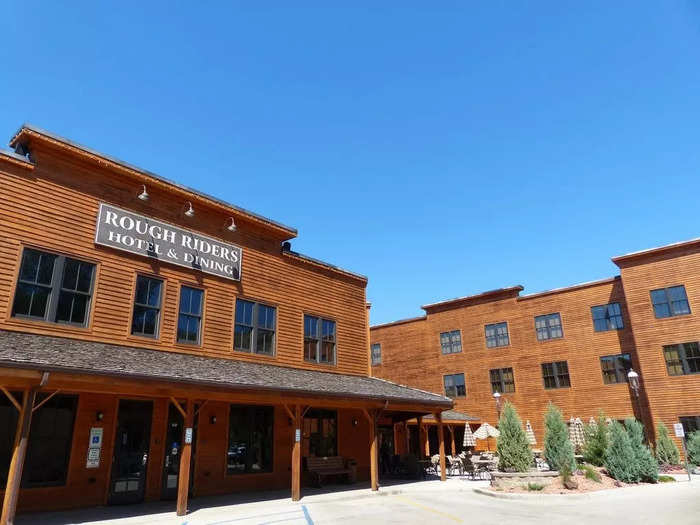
column 452, row 415
column 60, row 354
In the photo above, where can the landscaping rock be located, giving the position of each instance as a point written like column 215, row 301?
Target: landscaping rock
column 570, row 484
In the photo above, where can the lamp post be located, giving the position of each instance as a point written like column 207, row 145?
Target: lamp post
column 633, row 378
column 497, row 398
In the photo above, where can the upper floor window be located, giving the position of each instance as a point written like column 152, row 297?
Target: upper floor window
column 682, row 359
column 189, row 321
column 454, row 385
column 54, row 288
column 669, row 302
column 147, row 304
column 497, row 335
column 690, row 423
column 255, row 327
column 556, row 375
column 376, row 354
column 548, row 327
column 451, row 342
column 607, row 317
column 502, row 380
column 319, row 340
column 615, row 368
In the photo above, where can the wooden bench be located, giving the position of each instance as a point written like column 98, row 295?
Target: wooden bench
column 327, row 466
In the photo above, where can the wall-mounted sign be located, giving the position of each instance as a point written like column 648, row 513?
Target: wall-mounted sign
column 678, row 428
column 134, row 233
column 94, row 448
column 188, row 435
column 297, row 435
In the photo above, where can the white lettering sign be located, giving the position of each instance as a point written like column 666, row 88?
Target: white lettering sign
column 94, row 448
column 678, row 427
column 188, row 435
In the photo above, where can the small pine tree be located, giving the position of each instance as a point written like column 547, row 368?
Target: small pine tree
column 647, row 467
column 619, row 458
column 514, row 454
column 666, row 450
column 597, row 442
column 558, row 450
column 692, row 445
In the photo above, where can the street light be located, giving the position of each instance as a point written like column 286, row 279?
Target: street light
column 633, row 378
column 497, row 398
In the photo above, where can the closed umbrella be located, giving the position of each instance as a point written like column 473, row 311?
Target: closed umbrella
column 576, row 432
column 469, row 440
column 530, row 433
column 592, row 422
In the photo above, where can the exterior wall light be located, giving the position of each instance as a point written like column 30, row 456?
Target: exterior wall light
column 232, row 227
column 633, row 378
column 190, row 211
column 99, row 416
column 497, row 398
column 144, row 194
column 212, row 420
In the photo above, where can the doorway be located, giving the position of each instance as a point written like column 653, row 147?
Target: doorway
column 128, row 484
column 174, row 439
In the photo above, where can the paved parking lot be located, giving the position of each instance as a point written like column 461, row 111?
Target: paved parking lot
column 419, row 503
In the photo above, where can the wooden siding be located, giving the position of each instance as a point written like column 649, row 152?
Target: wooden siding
column 54, row 207
column 668, row 397
column 411, row 354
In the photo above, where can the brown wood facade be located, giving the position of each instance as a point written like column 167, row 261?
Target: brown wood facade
column 50, row 203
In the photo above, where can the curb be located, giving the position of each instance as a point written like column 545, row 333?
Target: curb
column 569, row 497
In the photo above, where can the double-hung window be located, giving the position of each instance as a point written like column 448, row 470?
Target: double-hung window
column 502, row 380
column 147, row 305
column 607, row 317
column 255, row 327
column 376, row 354
column 670, row 302
column 682, row 359
column 54, row 288
column 497, row 335
column 319, row 340
column 615, row 368
column 189, row 321
column 548, row 327
column 451, row 342
column 454, row 385
column 556, row 375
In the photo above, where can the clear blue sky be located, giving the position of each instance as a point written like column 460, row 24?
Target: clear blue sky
column 442, row 151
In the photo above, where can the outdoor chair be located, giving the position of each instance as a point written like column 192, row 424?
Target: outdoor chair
column 468, row 468
column 454, row 464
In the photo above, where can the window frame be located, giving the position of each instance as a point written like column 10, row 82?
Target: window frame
column 496, row 336
column 682, row 362
column 608, row 318
column 200, row 317
column 320, row 320
column 249, row 410
column 376, row 361
column 615, row 368
column 55, row 288
column 688, row 422
column 548, row 327
column 452, row 342
column 255, row 327
column 501, row 380
column 159, row 308
column 669, row 302
column 557, row 374
column 457, row 395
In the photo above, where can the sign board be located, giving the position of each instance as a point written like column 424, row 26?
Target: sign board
column 94, row 448
column 188, row 435
column 297, row 435
column 678, row 427
column 141, row 235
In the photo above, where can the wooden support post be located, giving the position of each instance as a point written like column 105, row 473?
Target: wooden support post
column 452, row 439
column 441, row 443
column 408, row 437
column 296, row 453
column 14, row 476
column 423, row 444
column 183, row 482
column 373, row 450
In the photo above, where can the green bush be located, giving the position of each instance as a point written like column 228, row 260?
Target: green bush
column 619, row 458
column 597, row 442
column 558, row 450
column 692, row 444
column 666, row 450
column 535, row 486
column 647, row 467
column 591, row 473
column 666, row 479
column 514, row 452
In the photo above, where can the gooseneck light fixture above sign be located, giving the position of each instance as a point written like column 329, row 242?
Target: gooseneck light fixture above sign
column 144, row 194
column 189, row 212
column 232, row 226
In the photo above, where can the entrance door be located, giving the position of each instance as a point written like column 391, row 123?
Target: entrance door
column 131, row 452
column 174, row 439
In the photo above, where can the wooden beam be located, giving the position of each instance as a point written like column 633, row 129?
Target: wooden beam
column 178, row 406
column 408, row 438
column 421, row 438
column 14, row 476
column 183, row 482
column 303, row 414
column 296, row 453
column 290, row 413
column 373, row 452
column 441, row 444
column 11, row 398
column 39, row 405
column 200, row 407
column 452, row 439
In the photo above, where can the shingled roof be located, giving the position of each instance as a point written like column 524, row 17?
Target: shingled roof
column 41, row 352
column 453, row 415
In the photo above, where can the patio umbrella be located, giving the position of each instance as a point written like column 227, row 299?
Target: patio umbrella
column 530, row 433
column 486, row 431
column 469, row 440
column 576, row 432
